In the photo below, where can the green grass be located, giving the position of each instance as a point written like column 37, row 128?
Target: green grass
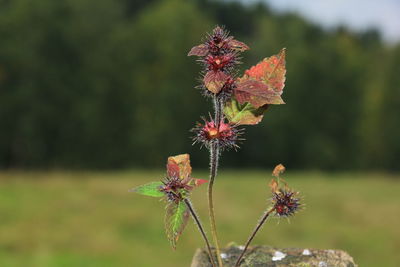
column 89, row 219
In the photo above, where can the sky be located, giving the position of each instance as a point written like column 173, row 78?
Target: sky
column 358, row 15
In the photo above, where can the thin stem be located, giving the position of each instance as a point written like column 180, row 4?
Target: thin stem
column 253, row 234
column 214, row 160
column 201, row 229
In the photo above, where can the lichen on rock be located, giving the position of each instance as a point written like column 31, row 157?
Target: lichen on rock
column 265, row 256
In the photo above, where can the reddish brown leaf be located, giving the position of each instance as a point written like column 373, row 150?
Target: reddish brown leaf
column 256, row 93
column 215, row 80
column 198, row 182
column 200, row 50
column 237, row 45
column 173, row 169
column 183, row 163
column 271, row 71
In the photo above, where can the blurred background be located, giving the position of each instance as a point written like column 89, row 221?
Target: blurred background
column 95, row 95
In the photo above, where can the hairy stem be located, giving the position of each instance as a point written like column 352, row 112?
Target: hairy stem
column 253, row 234
column 214, row 160
column 201, row 229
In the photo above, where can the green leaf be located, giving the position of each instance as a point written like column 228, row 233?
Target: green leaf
column 176, row 218
column 245, row 114
column 150, row 189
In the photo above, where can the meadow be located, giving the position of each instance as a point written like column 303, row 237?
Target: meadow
column 90, row 219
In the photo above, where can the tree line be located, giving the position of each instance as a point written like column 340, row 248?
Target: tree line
column 107, row 84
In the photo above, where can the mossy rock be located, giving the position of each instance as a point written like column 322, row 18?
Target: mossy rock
column 264, row 256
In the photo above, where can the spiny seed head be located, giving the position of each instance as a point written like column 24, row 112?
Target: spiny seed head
column 175, row 188
column 220, row 62
column 285, row 203
column 226, row 134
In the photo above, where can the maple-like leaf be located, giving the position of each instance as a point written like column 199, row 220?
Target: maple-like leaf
column 243, row 114
column 215, row 80
column 176, row 218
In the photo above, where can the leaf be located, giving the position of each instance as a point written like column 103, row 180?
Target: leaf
column 173, row 169
column 150, row 189
column 176, row 218
column 215, row 80
column 278, row 170
column 271, row 71
column 180, row 164
column 237, row 45
column 274, row 186
column 256, row 93
column 198, row 182
column 245, row 114
column 199, row 50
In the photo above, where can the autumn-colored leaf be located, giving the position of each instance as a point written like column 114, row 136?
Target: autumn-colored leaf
column 199, row 50
column 215, row 80
column 256, row 93
column 150, row 189
column 271, row 71
column 279, row 169
column 179, row 164
column 237, row 45
column 263, row 83
column 274, row 185
column 245, row 114
column 176, row 218
column 198, row 182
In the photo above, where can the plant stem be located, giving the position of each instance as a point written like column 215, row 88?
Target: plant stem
column 201, row 229
column 253, row 234
column 214, row 160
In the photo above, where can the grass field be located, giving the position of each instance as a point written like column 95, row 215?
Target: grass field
column 89, row 219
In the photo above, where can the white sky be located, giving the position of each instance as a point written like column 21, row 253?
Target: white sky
column 383, row 15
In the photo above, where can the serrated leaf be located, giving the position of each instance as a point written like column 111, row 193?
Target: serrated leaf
column 256, row 93
column 271, row 71
column 151, row 189
column 180, row 164
column 176, row 218
column 199, row 50
column 245, row 114
column 215, row 80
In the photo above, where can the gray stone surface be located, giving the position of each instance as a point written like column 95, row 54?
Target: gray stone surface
column 264, row 256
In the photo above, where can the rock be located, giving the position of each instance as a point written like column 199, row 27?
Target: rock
column 264, row 256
